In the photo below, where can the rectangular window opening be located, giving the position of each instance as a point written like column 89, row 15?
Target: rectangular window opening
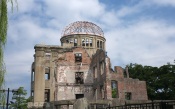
column 79, row 78
column 47, row 95
column 114, row 88
column 87, row 42
column 78, row 57
column 32, row 94
column 33, row 75
column 78, row 96
column 47, row 73
column 128, row 95
column 75, row 42
column 98, row 44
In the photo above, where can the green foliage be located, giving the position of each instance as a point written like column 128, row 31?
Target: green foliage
column 114, row 93
column 160, row 81
column 3, row 34
column 19, row 98
column 3, row 38
column 3, row 22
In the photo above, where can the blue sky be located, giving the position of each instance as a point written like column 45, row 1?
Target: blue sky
column 136, row 31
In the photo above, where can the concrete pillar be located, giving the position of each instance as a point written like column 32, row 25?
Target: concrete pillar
column 94, row 42
column 80, row 42
column 96, row 94
column 52, row 81
column 93, row 46
column 39, row 81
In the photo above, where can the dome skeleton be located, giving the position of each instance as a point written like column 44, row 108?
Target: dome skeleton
column 83, row 27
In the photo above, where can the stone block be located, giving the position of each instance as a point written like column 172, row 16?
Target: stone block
column 81, row 104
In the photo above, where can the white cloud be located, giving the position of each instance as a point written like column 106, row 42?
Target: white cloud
column 18, row 68
column 88, row 8
column 24, row 31
column 26, row 6
column 19, row 62
column 125, row 11
column 73, row 10
column 143, row 42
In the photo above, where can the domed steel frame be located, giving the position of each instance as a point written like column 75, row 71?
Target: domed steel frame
column 83, row 27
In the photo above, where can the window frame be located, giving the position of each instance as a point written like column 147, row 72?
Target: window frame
column 128, row 95
column 78, row 57
column 79, row 76
column 47, row 73
column 47, row 95
column 114, row 89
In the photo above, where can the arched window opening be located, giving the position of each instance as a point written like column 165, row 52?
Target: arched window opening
column 87, row 42
column 83, row 42
column 75, row 42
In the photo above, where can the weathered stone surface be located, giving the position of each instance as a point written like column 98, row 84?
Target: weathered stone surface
column 81, row 104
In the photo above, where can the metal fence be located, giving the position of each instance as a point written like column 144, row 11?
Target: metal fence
column 153, row 105
column 98, row 106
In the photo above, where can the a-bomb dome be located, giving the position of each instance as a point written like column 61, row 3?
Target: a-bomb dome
column 82, row 27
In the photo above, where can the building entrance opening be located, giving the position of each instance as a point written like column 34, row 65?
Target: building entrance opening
column 78, row 96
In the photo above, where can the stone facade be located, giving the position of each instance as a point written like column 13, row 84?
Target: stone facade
column 80, row 68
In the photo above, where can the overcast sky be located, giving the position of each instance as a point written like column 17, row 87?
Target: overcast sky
column 136, row 31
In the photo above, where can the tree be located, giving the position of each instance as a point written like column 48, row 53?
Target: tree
column 160, row 81
column 20, row 102
column 3, row 38
column 3, row 35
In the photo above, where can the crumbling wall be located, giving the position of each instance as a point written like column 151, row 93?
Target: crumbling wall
column 66, row 69
column 126, row 88
column 135, row 87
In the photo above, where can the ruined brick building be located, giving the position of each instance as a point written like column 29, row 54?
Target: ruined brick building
column 80, row 68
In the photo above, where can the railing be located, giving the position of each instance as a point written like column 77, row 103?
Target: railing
column 98, row 106
column 153, row 105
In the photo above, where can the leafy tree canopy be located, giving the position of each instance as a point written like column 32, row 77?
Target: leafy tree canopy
column 20, row 102
column 160, row 80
